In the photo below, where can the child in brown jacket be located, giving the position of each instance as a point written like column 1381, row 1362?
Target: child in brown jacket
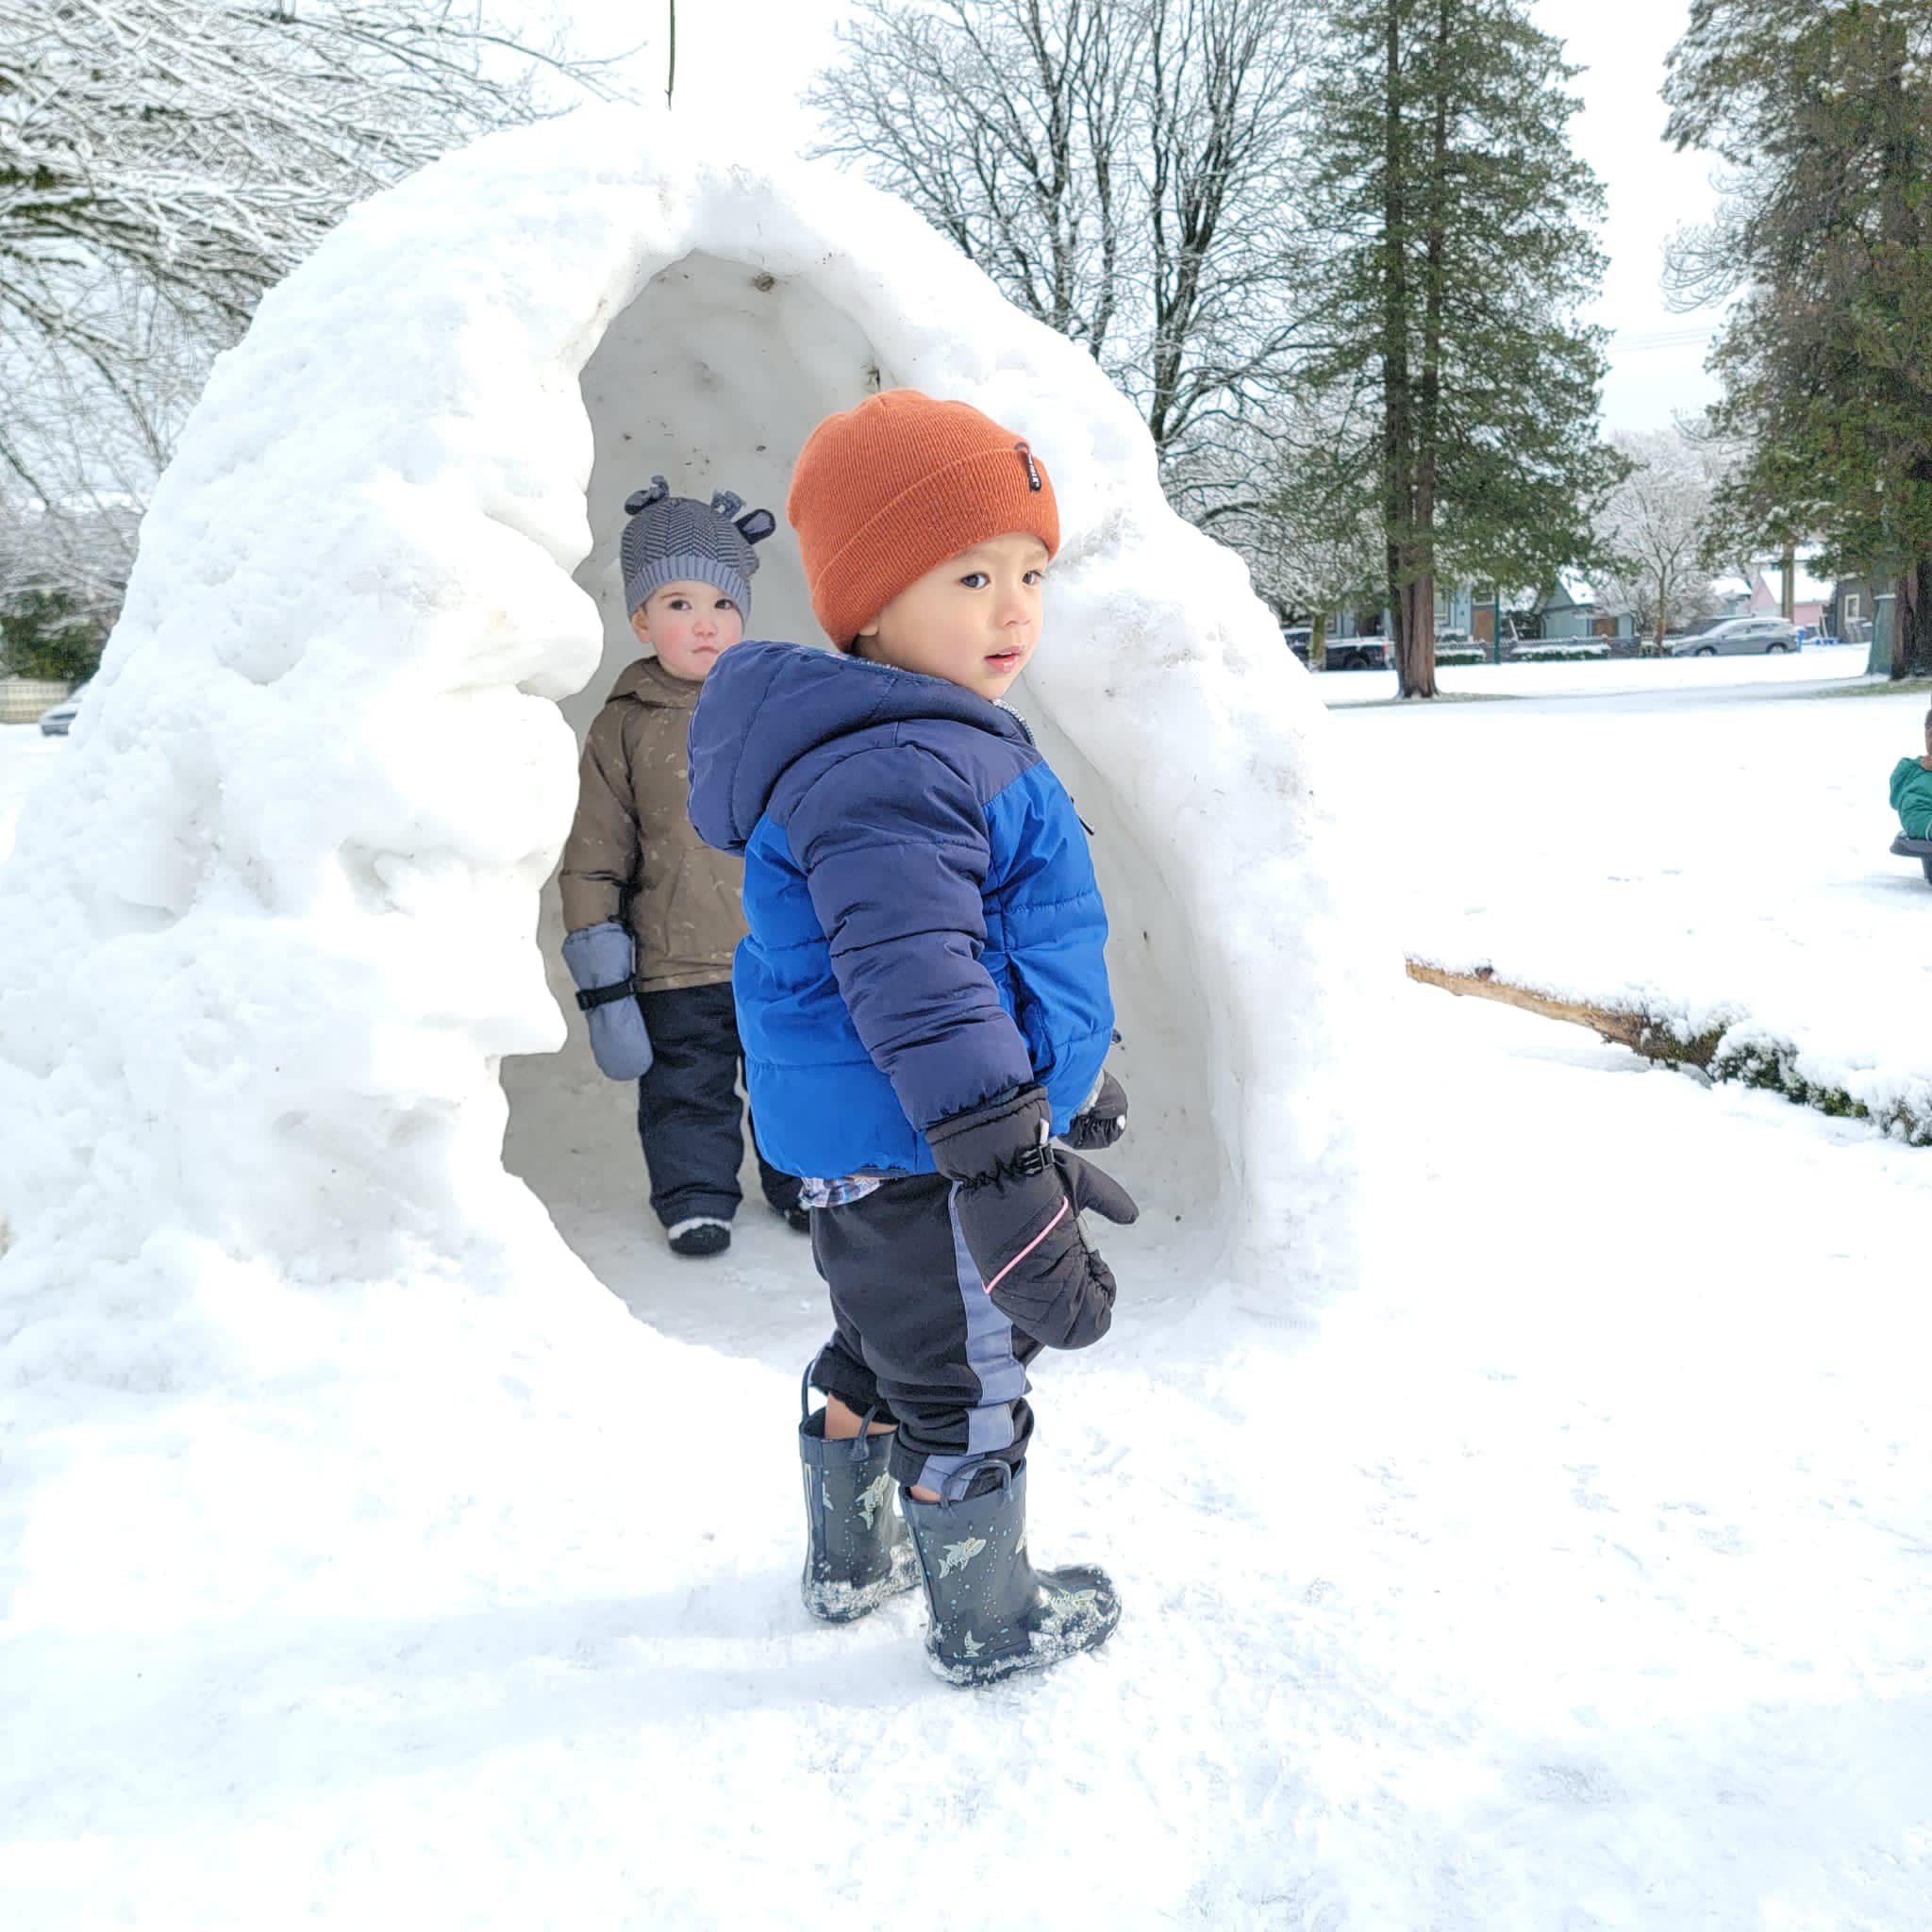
column 653, row 913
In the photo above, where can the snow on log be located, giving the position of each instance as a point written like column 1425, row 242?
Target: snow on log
column 1618, row 1024
column 1729, row 1050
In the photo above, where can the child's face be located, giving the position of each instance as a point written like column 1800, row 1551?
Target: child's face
column 689, row 626
column 973, row 621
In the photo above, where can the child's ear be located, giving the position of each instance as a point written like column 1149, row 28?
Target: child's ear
column 756, row 526
column 640, row 625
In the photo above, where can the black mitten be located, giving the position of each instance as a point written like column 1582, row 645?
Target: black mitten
column 1019, row 1200
column 1102, row 1121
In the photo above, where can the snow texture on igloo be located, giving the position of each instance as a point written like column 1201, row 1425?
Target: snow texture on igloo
column 272, row 931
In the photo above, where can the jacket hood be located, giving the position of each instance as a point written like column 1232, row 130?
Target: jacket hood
column 764, row 706
column 649, row 683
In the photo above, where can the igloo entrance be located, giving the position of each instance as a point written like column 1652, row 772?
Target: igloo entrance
column 714, row 376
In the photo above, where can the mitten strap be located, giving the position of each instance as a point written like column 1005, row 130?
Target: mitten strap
column 603, row 995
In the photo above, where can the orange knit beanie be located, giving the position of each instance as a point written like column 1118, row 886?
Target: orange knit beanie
column 885, row 491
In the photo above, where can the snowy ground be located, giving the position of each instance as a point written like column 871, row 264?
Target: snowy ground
column 25, row 755
column 1780, row 671
column 1715, row 850
column 1571, row 1575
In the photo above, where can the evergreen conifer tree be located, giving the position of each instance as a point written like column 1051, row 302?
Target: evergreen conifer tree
column 1460, row 225
column 1823, row 114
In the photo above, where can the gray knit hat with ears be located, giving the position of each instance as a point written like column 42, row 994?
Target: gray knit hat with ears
column 674, row 539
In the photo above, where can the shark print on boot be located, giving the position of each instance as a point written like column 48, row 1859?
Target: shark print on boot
column 993, row 1613
column 858, row 1554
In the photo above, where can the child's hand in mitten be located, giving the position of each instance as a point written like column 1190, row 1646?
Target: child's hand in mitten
column 1102, row 1121
column 600, row 958
column 1019, row 1200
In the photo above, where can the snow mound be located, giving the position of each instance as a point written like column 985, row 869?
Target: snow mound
column 271, row 929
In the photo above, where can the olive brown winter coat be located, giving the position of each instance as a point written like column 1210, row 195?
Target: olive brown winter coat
column 632, row 855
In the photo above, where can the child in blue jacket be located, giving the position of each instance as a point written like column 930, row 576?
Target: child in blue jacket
column 924, row 1003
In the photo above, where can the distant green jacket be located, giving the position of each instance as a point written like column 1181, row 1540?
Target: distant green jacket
column 1911, row 797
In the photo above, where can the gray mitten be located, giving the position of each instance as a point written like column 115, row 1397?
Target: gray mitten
column 601, row 959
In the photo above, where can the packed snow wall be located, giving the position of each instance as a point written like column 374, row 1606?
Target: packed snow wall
column 271, row 934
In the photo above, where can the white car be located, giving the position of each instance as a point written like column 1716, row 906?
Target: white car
column 60, row 720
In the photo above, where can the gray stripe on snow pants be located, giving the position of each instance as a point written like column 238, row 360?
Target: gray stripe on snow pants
column 916, row 1332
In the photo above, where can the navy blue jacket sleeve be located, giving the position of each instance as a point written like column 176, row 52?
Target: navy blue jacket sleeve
column 894, row 849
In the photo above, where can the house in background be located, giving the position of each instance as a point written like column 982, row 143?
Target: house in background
column 1733, row 594
column 1454, row 610
column 1849, row 614
column 1571, row 612
column 1812, row 594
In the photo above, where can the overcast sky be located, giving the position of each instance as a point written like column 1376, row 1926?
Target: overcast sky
column 749, row 60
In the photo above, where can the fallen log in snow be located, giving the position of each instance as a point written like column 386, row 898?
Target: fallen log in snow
column 1620, row 1026
column 1725, row 1052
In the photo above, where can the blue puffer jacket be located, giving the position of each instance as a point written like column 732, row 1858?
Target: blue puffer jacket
column 926, row 929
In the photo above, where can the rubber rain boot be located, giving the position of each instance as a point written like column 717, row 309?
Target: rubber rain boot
column 993, row 1613
column 858, row 1553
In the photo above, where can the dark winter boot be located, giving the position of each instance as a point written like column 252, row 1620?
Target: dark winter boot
column 859, row 1553
column 993, row 1613
column 700, row 1237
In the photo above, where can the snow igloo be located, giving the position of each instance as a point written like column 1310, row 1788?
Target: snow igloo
column 279, row 935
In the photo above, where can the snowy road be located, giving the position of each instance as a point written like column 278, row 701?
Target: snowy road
column 1661, row 681
column 1569, row 1575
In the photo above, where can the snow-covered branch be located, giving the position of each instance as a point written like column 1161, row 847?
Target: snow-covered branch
column 1653, row 529
column 162, row 163
column 1124, row 169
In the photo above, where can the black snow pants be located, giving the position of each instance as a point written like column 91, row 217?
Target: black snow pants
column 690, row 1117
column 916, row 1334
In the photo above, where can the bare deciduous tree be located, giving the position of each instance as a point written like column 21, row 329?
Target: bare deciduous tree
column 162, row 163
column 1122, row 169
column 1654, row 527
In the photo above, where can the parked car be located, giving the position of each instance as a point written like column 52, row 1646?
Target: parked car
column 1360, row 654
column 1737, row 637
column 60, row 720
column 1300, row 639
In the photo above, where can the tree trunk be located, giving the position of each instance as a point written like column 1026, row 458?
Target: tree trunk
column 1896, row 224
column 1418, row 662
column 1911, row 626
column 1398, row 423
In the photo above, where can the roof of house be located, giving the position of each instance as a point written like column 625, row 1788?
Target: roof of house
column 1807, row 587
column 1572, row 587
